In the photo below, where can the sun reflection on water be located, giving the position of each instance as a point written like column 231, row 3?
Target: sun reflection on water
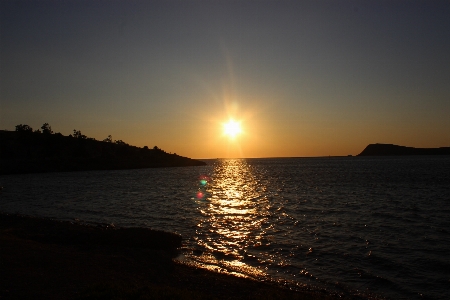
column 233, row 212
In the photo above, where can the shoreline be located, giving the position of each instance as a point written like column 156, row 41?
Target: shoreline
column 48, row 259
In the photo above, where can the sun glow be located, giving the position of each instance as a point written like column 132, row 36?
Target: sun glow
column 232, row 128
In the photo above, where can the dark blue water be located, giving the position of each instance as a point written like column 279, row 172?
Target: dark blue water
column 378, row 227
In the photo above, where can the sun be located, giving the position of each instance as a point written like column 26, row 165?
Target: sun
column 232, row 128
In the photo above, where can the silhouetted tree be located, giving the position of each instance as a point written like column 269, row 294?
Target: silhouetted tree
column 24, row 128
column 158, row 149
column 145, row 147
column 120, row 142
column 108, row 139
column 46, row 128
column 77, row 134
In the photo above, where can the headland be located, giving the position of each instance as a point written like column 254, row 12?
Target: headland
column 35, row 152
column 395, row 150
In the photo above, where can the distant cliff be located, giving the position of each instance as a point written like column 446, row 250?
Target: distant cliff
column 389, row 149
column 32, row 152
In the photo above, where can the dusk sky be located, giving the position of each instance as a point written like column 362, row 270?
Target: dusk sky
column 302, row 78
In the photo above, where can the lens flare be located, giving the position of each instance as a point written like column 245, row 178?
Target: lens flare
column 203, row 181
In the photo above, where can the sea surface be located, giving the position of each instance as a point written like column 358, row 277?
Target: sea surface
column 378, row 227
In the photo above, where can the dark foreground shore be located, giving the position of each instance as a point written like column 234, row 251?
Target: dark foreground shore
column 47, row 259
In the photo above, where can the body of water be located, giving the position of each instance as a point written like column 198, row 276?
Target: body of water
column 378, row 227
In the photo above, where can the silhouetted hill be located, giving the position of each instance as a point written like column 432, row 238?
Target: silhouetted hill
column 390, row 149
column 32, row 152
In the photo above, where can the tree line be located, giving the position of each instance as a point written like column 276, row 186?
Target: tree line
column 47, row 129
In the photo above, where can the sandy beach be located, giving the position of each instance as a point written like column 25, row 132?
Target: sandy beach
column 47, row 259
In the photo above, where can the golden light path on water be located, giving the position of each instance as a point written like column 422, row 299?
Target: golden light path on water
column 234, row 211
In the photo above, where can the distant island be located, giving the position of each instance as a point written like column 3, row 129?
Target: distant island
column 28, row 151
column 395, row 150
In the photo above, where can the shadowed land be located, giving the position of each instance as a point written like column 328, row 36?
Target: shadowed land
column 46, row 259
column 33, row 152
column 394, row 150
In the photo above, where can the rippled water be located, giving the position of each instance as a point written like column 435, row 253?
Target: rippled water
column 371, row 226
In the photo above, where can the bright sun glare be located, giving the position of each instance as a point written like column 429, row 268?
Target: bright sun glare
column 232, row 128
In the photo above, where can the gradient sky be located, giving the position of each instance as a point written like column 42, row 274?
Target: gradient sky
column 304, row 78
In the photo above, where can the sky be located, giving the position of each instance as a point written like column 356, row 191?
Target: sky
column 302, row 78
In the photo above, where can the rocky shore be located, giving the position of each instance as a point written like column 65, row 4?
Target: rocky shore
column 48, row 259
